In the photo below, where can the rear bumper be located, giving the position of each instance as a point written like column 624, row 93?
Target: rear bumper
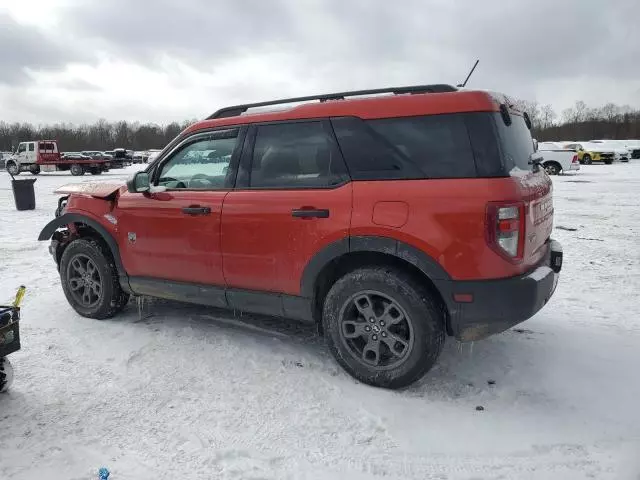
column 497, row 305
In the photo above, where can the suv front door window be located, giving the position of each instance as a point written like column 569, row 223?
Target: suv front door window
column 202, row 164
column 175, row 234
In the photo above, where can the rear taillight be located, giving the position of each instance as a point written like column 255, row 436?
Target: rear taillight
column 505, row 230
column 575, row 159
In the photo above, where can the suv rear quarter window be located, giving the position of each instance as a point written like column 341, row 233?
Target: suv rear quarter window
column 462, row 145
column 438, row 144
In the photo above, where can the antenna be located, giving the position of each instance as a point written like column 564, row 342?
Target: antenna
column 462, row 85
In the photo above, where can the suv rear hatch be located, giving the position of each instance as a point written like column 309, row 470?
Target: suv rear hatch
column 533, row 223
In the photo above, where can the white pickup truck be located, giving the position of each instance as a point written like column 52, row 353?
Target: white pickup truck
column 557, row 159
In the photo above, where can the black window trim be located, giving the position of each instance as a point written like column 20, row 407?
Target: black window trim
column 155, row 168
column 244, row 170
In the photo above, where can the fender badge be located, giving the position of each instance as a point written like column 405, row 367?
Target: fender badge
column 132, row 237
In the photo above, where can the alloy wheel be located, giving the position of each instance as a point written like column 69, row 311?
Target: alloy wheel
column 84, row 281
column 376, row 330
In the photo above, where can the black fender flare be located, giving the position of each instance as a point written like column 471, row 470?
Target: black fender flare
column 50, row 228
column 426, row 264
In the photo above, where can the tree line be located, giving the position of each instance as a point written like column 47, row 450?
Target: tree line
column 101, row 135
column 579, row 122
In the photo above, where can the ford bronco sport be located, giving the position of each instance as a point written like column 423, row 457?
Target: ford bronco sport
column 389, row 217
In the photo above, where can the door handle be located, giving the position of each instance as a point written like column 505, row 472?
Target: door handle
column 310, row 213
column 196, row 210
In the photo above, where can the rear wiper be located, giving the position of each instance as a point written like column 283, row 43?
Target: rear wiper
column 536, row 160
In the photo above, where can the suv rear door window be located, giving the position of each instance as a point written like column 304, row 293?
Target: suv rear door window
column 295, row 155
column 515, row 141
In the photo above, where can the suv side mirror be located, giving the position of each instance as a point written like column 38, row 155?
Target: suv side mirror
column 535, row 145
column 139, row 183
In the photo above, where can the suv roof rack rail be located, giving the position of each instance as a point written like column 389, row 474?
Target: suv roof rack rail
column 236, row 110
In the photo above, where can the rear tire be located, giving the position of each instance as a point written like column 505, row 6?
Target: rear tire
column 552, row 168
column 608, row 162
column 77, row 170
column 6, row 374
column 401, row 339
column 90, row 280
column 35, row 170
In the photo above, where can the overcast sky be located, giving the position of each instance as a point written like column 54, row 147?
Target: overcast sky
column 165, row 60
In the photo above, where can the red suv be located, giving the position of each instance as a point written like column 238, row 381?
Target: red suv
column 389, row 217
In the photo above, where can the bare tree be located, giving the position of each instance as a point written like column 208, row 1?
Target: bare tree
column 547, row 116
column 580, row 110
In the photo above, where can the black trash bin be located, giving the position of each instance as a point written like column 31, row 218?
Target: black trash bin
column 24, row 194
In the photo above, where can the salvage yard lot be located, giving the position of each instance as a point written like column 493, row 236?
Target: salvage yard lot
column 194, row 393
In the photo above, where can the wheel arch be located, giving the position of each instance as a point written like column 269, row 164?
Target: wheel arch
column 343, row 256
column 91, row 228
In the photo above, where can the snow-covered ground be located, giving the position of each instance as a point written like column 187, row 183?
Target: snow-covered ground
column 185, row 392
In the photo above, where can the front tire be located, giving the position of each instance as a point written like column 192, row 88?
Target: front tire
column 35, row 170
column 608, row 162
column 96, row 171
column 587, row 159
column 90, row 280
column 383, row 328
column 6, row 374
column 13, row 169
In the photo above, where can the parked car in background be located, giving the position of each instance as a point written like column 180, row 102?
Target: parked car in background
column 634, row 147
column 390, row 221
column 96, row 154
column 623, row 153
column 557, row 159
column 140, row 157
column 75, row 155
column 590, row 152
column 120, row 157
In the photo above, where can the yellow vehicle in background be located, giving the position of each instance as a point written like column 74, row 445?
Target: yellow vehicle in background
column 590, row 152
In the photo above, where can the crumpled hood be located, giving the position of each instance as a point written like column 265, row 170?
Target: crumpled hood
column 93, row 189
